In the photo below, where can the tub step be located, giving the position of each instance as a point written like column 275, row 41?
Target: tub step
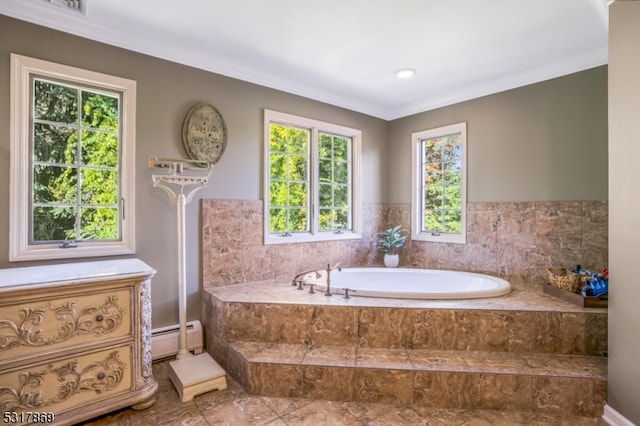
column 518, row 323
column 558, row 384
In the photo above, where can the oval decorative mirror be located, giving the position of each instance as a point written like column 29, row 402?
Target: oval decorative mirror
column 204, row 133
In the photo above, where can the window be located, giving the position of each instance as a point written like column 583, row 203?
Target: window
column 311, row 180
column 439, row 184
column 72, row 158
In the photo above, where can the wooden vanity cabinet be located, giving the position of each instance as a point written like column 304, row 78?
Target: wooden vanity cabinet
column 75, row 340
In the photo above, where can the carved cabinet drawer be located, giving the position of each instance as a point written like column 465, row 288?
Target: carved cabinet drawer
column 50, row 324
column 69, row 382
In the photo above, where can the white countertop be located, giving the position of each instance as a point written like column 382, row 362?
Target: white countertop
column 33, row 275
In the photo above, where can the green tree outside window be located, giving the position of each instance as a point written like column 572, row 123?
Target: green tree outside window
column 442, row 184
column 289, row 178
column 290, row 188
column 75, row 158
column 334, row 161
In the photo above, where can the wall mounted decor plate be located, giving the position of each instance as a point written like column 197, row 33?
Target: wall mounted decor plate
column 204, row 133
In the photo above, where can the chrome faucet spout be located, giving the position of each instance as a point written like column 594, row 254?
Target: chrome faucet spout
column 301, row 275
column 299, row 279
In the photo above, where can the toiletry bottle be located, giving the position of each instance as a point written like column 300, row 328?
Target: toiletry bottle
column 580, row 271
column 587, row 289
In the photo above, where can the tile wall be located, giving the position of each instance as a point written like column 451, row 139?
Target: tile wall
column 516, row 241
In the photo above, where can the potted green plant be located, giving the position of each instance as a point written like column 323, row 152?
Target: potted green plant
column 388, row 241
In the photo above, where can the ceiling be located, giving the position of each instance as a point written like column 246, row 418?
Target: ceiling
column 345, row 52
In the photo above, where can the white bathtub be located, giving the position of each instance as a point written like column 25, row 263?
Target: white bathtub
column 405, row 283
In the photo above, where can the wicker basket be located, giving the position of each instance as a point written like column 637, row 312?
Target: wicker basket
column 566, row 280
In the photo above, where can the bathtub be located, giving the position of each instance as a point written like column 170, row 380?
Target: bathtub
column 406, row 283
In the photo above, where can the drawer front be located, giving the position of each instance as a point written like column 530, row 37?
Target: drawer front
column 35, row 327
column 67, row 383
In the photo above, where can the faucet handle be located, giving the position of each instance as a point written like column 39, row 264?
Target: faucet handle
column 346, row 293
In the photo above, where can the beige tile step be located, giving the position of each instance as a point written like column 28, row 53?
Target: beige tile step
column 524, row 325
column 563, row 384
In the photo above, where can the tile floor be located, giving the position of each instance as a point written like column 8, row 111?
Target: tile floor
column 233, row 406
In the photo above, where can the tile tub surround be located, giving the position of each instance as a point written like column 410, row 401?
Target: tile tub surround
column 516, row 241
column 233, row 250
column 523, row 352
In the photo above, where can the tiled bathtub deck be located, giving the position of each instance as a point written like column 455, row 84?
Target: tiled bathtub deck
column 280, row 291
column 524, row 352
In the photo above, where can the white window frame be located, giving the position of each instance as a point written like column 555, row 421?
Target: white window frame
column 315, row 127
column 20, row 249
column 417, row 202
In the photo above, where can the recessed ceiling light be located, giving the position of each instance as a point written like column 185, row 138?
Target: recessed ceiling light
column 405, row 72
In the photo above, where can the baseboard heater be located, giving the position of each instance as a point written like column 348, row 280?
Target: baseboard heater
column 165, row 340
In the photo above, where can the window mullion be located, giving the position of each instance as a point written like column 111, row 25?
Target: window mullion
column 314, row 182
column 350, row 183
column 421, row 184
column 78, row 161
column 442, row 187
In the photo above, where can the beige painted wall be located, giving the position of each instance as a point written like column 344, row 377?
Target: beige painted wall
column 624, row 205
column 165, row 92
column 542, row 142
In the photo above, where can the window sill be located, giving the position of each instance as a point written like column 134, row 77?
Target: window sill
column 309, row 238
column 442, row 238
column 51, row 252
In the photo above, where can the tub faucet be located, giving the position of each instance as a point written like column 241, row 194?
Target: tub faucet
column 299, row 279
column 329, row 269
